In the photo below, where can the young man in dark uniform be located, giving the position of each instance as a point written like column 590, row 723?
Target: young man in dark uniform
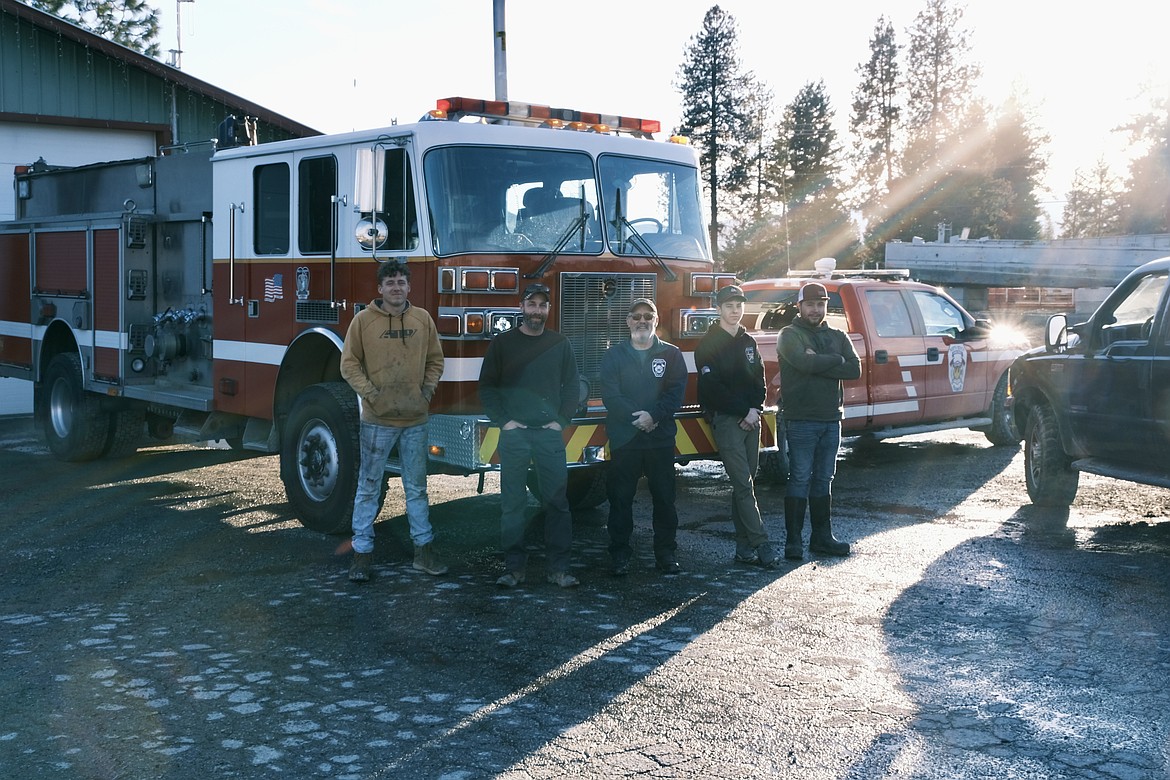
column 731, row 391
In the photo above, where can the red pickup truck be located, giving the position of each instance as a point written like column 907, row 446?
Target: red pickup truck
column 926, row 364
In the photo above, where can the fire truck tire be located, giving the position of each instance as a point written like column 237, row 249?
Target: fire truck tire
column 319, row 457
column 773, row 466
column 1050, row 480
column 1002, row 432
column 126, row 428
column 585, row 488
column 76, row 428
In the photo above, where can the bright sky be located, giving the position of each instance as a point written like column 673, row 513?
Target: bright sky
column 339, row 66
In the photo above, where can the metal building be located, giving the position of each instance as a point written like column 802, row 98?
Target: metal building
column 69, row 97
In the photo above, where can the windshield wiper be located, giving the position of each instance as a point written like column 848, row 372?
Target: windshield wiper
column 637, row 240
column 578, row 225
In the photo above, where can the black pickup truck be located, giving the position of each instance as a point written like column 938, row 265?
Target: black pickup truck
column 1096, row 396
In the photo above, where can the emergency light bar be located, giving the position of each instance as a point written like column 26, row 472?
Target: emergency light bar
column 455, row 108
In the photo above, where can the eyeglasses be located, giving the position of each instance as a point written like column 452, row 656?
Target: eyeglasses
column 648, row 316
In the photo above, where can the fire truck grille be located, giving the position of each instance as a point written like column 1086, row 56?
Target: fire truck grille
column 317, row 311
column 593, row 309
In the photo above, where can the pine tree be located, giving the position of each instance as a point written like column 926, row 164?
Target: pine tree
column 876, row 113
column 1092, row 207
column 874, row 124
column 803, row 174
column 939, row 82
column 1146, row 201
column 714, row 92
column 1015, row 158
column 131, row 23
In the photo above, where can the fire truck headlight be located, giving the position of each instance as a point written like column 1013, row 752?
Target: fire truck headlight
column 137, row 365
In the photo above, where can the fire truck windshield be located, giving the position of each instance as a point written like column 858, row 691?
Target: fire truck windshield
column 508, row 199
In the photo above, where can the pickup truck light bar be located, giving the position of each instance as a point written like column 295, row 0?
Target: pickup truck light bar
column 455, row 108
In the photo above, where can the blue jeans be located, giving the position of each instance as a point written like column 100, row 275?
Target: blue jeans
column 812, row 456
column 626, row 467
column 377, row 441
column 545, row 450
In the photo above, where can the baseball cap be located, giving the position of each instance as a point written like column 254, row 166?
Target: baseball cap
column 729, row 293
column 812, row 292
column 535, row 289
column 643, row 302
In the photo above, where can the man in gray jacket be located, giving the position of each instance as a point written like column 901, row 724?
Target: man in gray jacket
column 814, row 358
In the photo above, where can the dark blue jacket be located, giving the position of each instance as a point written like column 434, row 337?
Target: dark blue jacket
column 731, row 372
column 630, row 384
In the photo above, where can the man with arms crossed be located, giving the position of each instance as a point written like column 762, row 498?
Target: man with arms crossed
column 814, row 358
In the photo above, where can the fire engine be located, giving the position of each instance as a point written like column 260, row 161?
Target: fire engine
column 204, row 293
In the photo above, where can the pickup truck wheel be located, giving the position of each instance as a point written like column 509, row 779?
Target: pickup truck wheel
column 1002, row 431
column 1046, row 466
column 75, row 426
column 319, row 457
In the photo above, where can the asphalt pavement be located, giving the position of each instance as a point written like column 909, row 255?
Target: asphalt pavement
column 165, row 617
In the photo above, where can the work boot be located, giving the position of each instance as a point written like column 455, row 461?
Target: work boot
column 794, row 509
column 822, row 540
column 766, row 556
column 426, row 560
column 359, row 567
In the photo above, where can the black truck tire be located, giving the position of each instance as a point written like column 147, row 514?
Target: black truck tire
column 1003, row 431
column 126, row 430
column 76, row 428
column 1050, row 480
column 320, row 456
column 584, row 488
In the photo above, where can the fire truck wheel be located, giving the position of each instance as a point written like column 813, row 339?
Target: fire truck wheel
column 319, row 457
column 585, row 488
column 1002, row 431
column 75, row 426
column 1047, row 475
column 126, row 428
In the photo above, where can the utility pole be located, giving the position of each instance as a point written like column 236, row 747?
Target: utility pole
column 177, row 52
column 500, row 45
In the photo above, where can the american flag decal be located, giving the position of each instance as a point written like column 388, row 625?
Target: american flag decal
column 274, row 288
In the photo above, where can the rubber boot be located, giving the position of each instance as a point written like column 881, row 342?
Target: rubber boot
column 794, row 508
column 426, row 560
column 822, row 540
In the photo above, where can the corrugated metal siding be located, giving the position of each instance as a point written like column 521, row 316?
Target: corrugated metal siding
column 45, row 74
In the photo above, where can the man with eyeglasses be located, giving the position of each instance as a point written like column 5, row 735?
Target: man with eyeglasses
column 642, row 385
column 529, row 387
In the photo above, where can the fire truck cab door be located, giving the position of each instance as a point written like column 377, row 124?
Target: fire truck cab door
column 896, row 362
column 956, row 383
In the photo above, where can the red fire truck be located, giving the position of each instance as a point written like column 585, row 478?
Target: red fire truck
column 205, row 293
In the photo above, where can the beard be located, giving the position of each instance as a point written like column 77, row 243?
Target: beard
column 535, row 321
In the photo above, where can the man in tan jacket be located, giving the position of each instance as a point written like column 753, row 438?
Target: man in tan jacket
column 393, row 360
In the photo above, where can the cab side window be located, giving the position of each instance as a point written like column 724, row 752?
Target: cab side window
column 316, row 188
column 890, row 314
column 271, row 192
column 939, row 315
column 1132, row 319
